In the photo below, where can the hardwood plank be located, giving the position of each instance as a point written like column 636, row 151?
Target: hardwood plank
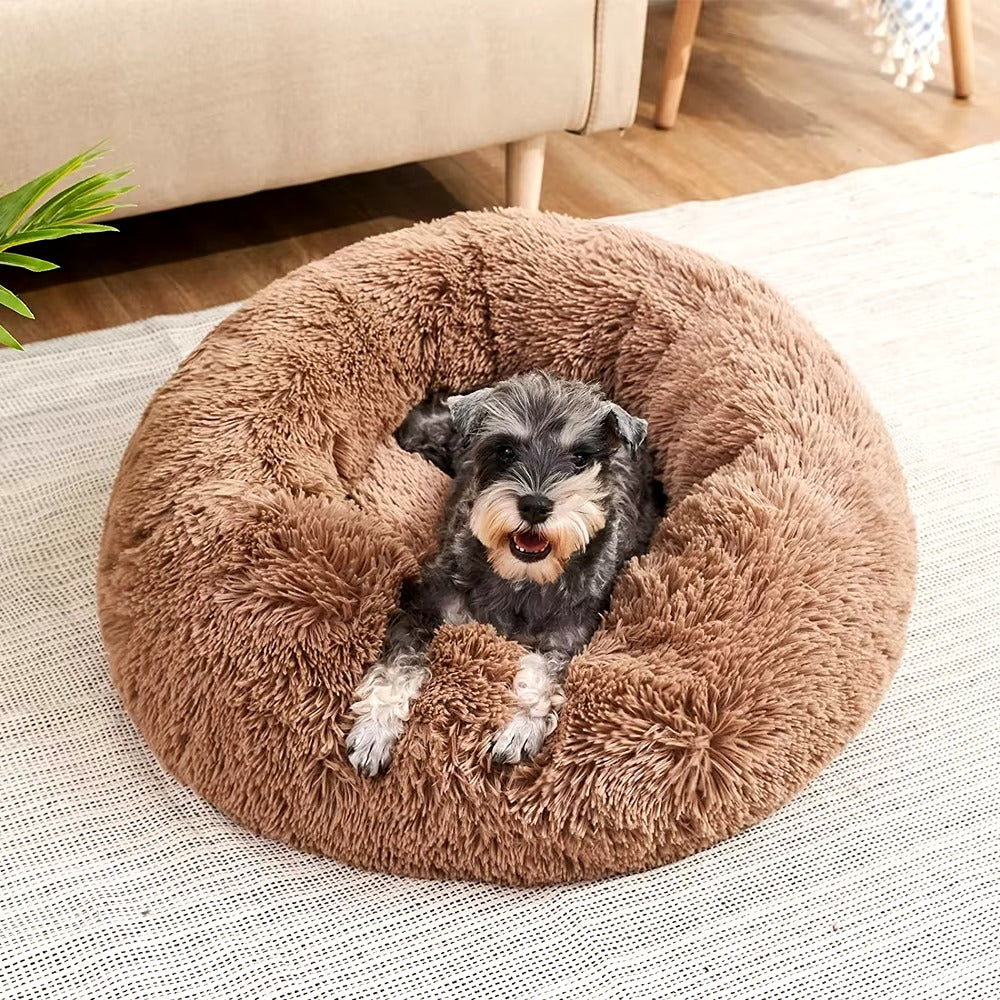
column 778, row 92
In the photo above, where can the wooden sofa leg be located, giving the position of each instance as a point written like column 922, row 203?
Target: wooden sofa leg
column 525, row 161
column 960, row 33
column 675, row 65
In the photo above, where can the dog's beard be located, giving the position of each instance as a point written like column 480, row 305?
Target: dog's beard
column 578, row 513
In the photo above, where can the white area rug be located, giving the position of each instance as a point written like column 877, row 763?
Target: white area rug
column 882, row 880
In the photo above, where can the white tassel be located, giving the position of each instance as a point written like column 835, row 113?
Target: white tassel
column 909, row 68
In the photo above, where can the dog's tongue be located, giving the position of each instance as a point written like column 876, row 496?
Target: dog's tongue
column 527, row 541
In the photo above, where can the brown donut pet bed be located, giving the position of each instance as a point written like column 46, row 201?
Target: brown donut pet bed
column 264, row 518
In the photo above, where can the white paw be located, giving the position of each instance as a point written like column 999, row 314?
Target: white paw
column 538, row 697
column 521, row 738
column 382, row 708
column 534, row 689
column 369, row 746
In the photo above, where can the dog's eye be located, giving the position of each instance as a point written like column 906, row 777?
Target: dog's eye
column 505, row 454
column 581, row 459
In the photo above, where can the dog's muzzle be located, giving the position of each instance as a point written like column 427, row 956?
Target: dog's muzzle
column 536, row 543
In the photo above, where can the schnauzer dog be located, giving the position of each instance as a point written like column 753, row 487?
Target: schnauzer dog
column 553, row 493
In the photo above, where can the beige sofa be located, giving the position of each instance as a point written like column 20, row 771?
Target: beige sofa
column 214, row 98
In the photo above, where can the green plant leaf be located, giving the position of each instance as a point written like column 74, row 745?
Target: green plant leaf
column 15, row 204
column 86, row 184
column 28, row 263
column 79, row 197
column 6, row 340
column 54, row 233
column 11, row 301
column 82, row 216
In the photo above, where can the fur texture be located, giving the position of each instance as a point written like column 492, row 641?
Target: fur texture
column 264, row 519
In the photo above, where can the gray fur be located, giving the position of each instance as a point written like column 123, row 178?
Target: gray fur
column 632, row 430
column 557, row 619
column 430, row 431
column 467, row 410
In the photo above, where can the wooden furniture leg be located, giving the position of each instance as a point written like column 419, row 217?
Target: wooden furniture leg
column 525, row 161
column 960, row 33
column 675, row 65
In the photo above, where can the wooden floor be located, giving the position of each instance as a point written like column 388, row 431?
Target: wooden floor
column 779, row 92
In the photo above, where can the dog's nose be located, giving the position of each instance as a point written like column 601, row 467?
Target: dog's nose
column 534, row 508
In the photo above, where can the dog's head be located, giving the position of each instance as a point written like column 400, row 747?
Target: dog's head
column 540, row 449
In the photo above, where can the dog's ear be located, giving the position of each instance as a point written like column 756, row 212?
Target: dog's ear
column 468, row 410
column 631, row 430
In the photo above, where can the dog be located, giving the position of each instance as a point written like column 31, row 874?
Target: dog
column 553, row 493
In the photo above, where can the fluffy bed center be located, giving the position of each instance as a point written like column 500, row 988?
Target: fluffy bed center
column 529, row 546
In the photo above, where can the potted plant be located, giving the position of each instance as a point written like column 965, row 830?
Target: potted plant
column 65, row 213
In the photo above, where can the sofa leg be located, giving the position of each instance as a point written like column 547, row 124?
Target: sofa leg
column 675, row 65
column 525, row 160
column 960, row 33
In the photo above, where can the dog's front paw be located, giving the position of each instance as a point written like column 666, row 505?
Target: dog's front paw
column 538, row 697
column 369, row 746
column 521, row 738
column 380, row 712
